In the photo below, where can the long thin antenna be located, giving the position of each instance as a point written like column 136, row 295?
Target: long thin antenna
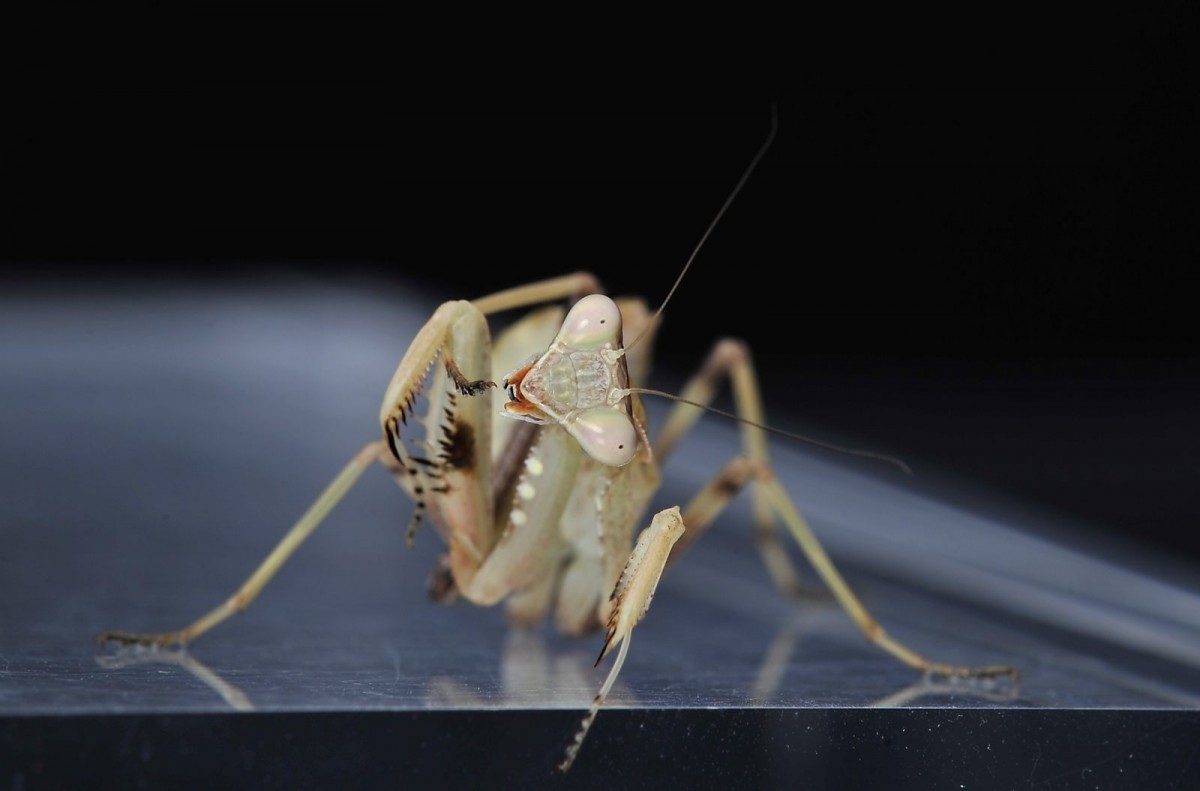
column 865, row 454
column 741, row 182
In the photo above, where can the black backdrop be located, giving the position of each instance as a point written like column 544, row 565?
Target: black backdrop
column 982, row 272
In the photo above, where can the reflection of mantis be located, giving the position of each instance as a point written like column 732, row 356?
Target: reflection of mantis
column 531, row 674
column 540, row 511
column 928, row 687
column 209, row 677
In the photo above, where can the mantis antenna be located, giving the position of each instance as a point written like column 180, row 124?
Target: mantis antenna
column 741, row 183
column 866, row 454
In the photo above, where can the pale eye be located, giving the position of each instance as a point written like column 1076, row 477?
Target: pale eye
column 594, row 321
column 606, row 434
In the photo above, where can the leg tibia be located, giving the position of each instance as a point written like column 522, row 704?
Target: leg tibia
column 267, row 569
column 577, row 284
column 824, row 567
column 739, row 471
column 731, row 358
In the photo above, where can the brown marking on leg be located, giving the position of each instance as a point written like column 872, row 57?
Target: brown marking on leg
column 458, row 446
column 711, row 500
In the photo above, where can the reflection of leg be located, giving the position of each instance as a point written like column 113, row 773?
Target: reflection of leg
column 923, row 689
column 228, row 692
column 775, row 663
column 241, row 599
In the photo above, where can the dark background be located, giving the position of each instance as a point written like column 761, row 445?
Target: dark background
column 981, row 270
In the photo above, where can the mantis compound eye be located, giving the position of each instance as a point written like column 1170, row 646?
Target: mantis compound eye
column 606, row 434
column 593, row 322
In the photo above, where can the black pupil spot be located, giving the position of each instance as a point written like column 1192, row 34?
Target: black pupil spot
column 620, row 447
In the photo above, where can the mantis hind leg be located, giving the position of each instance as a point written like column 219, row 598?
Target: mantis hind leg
column 712, row 499
column 731, row 359
column 254, row 584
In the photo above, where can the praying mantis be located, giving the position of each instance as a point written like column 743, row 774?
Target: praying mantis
column 534, row 460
